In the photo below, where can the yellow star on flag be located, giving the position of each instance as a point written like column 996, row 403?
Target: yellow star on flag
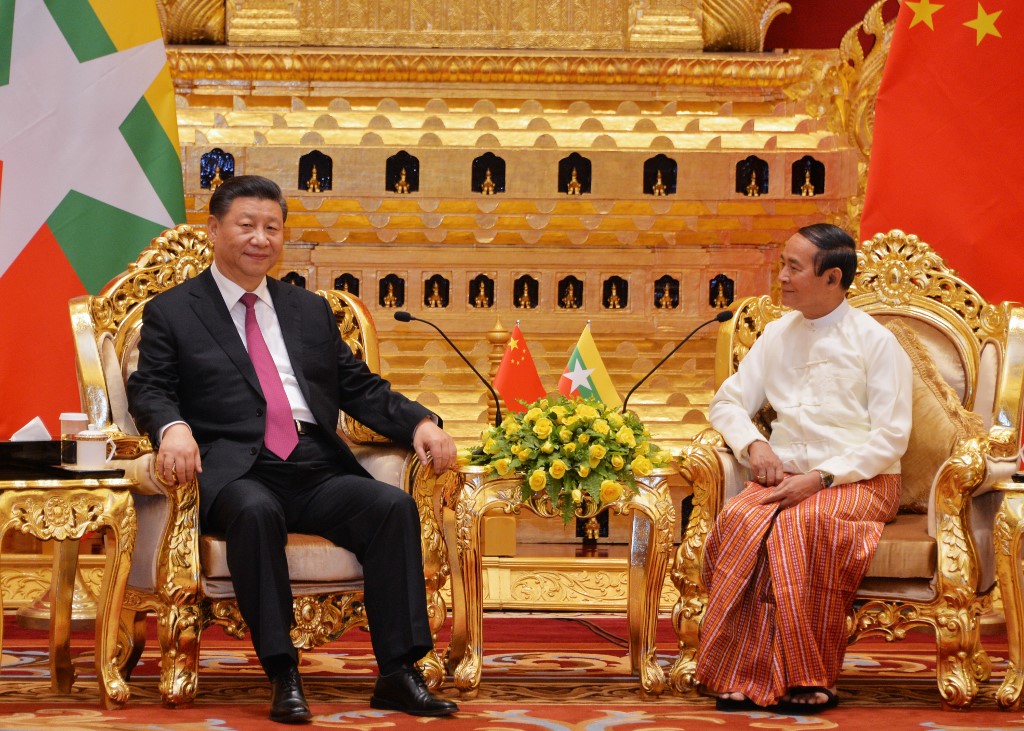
column 985, row 24
column 513, row 344
column 923, row 12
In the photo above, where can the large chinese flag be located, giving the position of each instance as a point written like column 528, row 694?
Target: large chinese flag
column 89, row 173
column 947, row 161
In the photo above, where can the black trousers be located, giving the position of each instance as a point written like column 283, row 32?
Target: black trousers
column 308, row 493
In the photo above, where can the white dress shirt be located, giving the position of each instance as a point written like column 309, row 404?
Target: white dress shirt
column 266, row 316
column 841, row 386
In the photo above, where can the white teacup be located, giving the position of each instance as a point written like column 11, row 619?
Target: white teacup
column 95, row 449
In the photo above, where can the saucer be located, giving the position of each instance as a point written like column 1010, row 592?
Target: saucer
column 77, row 468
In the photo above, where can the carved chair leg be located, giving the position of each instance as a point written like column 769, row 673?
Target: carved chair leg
column 132, row 641
column 179, row 631
column 958, row 646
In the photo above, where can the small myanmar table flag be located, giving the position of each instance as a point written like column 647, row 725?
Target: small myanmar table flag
column 517, row 379
column 585, row 375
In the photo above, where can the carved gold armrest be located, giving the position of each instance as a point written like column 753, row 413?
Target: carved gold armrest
column 358, row 433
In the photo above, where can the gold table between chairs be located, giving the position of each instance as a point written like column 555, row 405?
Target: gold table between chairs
column 64, row 510
column 477, row 492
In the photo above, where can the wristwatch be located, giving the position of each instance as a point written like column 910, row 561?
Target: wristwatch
column 826, row 478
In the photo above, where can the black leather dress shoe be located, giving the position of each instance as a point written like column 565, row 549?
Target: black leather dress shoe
column 405, row 690
column 287, row 703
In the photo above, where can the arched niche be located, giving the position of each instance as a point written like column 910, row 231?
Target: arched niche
column 574, row 175
column 570, row 293
column 660, row 175
column 721, row 291
column 346, row 282
column 402, row 173
column 391, row 291
column 666, row 293
column 481, row 292
column 436, row 290
column 752, row 177
column 488, row 174
column 316, row 172
column 525, row 293
column 615, row 293
column 215, row 167
column 808, row 177
column 295, row 278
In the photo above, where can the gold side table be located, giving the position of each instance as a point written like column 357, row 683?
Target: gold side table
column 478, row 492
column 64, row 510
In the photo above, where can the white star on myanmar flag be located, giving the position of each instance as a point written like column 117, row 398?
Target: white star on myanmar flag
column 579, row 376
column 50, row 98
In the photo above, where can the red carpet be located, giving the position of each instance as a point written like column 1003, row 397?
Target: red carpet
column 541, row 673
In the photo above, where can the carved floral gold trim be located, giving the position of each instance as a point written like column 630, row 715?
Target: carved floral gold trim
column 195, row 67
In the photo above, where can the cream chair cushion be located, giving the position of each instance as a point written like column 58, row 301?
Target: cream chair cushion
column 939, row 422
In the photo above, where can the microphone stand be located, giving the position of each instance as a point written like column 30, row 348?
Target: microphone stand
column 403, row 316
column 722, row 316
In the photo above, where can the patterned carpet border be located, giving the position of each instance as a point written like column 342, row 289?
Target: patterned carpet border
column 584, row 685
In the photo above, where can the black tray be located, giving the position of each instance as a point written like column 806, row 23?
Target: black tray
column 41, row 461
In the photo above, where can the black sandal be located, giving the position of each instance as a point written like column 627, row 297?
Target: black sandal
column 732, row 705
column 808, row 709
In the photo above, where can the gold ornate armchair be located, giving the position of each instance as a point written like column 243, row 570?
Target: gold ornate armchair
column 181, row 575
column 934, row 566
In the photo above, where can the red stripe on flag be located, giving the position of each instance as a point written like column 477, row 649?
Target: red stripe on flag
column 37, row 365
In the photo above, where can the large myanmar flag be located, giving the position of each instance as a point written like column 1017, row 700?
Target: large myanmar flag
column 946, row 159
column 89, row 173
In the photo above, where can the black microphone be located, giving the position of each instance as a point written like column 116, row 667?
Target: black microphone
column 722, row 316
column 403, row 316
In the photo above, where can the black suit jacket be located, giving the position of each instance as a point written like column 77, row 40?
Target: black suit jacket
column 193, row 367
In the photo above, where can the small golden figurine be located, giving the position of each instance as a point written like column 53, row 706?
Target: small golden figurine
column 344, row 286
column 481, row 301
column 313, row 184
column 434, row 300
column 574, row 187
column 487, row 187
column 216, row 181
column 659, row 187
column 402, row 186
column 524, row 301
column 807, row 189
column 569, row 300
column 614, row 303
column 592, row 530
column 389, row 299
column 665, row 301
column 720, row 300
column 752, row 189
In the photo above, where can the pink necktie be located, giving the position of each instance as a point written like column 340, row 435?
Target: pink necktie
column 280, row 437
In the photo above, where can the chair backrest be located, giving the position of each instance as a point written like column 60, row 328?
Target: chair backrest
column 900, row 276
column 107, row 326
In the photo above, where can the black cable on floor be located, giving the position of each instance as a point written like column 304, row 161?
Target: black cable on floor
column 597, row 630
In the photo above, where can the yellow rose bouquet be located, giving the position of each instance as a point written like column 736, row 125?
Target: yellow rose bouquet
column 573, row 449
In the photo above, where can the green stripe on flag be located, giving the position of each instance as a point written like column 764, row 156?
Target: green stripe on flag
column 6, row 34
column 98, row 240
column 81, row 28
column 157, row 156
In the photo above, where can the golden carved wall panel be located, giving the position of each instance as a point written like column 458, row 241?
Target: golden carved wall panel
column 464, row 24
